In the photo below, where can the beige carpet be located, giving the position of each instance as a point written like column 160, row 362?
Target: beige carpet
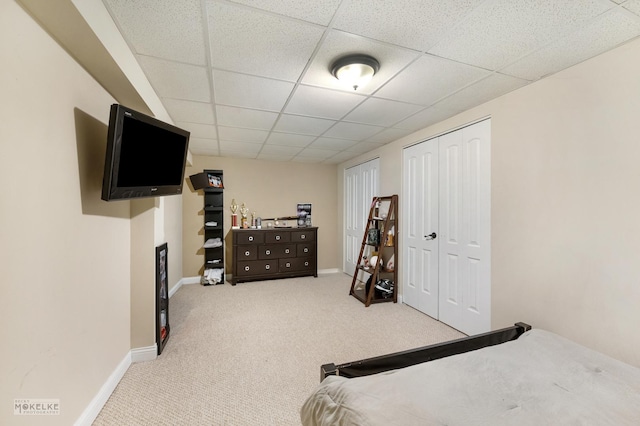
column 250, row 354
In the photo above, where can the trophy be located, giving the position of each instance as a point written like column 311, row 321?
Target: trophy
column 234, row 216
column 243, row 212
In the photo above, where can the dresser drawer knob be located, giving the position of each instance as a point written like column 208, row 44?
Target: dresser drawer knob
column 303, row 236
column 287, row 251
column 306, row 250
column 250, row 238
column 246, row 268
column 306, row 263
column 247, row 253
column 277, row 237
column 267, row 252
column 288, row 265
column 267, row 267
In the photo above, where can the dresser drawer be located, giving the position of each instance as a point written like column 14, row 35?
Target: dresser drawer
column 296, row 264
column 277, row 237
column 301, row 236
column 256, row 267
column 303, row 250
column 249, row 237
column 246, row 253
column 275, row 251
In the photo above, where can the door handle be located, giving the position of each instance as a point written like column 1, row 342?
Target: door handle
column 431, row 236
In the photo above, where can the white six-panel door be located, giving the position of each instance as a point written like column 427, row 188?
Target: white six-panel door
column 465, row 251
column 420, row 218
column 360, row 186
column 446, row 190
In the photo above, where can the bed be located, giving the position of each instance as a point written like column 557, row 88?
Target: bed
column 514, row 376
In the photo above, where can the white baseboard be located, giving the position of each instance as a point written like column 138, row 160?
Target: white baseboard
column 93, row 409
column 192, row 280
column 90, row 413
column 148, row 353
column 183, row 281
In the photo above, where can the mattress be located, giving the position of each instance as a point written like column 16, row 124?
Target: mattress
column 538, row 379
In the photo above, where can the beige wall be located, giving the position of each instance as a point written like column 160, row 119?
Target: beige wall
column 78, row 272
column 270, row 189
column 565, row 201
column 65, row 253
column 171, row 233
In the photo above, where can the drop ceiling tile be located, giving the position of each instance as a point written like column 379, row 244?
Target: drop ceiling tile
column 254, row 42
column 362, row 147
column 417, row 24
column 317, row 11
column 308, row 160
column 426, row 118
column 340, row 157
column 429, row 79
column 338, row 44
column 304, row 125
column 205, row 131
column 491, row 87
column 188, row 111
column 322, row 103
column 597, row 37
column 235, row 146
column 280, row 158
column 289, row 139
column 529, row 25
column 241, row 135
column 352, row 131
column 280, row 150
column 238, row 154
column 248, row 91
column 166, row 29
column 175, row 80
column 332, row 144
column 381, row 112
column 242, row 117
column 388, row 135
column 321, row 154
column 633, row 6
column 200, row 146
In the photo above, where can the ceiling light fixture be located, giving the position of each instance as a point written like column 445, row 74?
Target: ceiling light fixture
column 355, row 70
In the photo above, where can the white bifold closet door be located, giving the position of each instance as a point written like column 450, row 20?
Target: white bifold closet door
column 446, row 222
column 419, row 219
column 361, row 184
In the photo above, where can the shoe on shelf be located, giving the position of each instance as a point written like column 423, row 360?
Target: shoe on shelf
column 385, row 286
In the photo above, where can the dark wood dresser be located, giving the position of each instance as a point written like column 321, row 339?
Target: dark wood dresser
column 264, row 254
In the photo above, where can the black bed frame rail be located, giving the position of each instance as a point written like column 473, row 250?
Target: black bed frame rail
column 410, row 357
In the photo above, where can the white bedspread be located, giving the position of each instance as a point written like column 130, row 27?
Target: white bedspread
column 539, row 379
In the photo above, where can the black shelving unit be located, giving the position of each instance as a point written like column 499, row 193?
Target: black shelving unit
column 213, row 272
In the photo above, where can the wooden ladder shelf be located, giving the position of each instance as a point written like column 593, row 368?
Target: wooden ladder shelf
column 376, row 265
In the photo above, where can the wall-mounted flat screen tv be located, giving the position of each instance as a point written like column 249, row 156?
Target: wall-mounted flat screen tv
column 145, row 156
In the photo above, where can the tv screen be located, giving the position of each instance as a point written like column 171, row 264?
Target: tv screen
column 145, row 156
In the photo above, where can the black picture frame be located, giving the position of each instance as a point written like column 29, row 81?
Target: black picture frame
column 215, row 181
column 303, row 215
column 162, row 297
